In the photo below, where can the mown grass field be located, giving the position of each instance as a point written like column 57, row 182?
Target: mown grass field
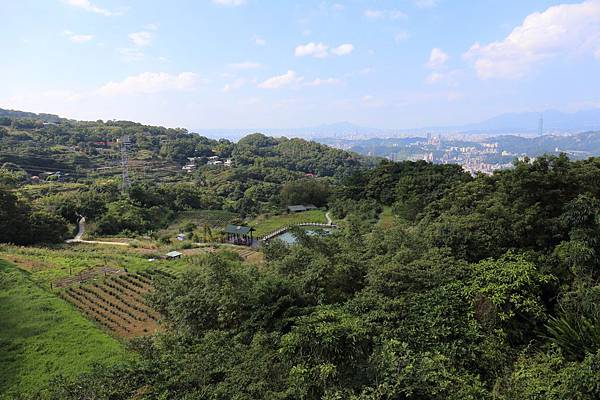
column 267, row 224
column 42, row 336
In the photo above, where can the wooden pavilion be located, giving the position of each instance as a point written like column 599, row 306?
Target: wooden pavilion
column 240, row 235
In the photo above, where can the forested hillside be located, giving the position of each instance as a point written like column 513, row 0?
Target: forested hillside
column 61, row 169
column 483, row 288
column 474, row 287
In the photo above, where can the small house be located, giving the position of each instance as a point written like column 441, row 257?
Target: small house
column 173, row 255
column 296, row 208
column 301, row 208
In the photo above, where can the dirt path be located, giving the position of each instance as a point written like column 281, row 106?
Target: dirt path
column 81, row 231
column 329, row 220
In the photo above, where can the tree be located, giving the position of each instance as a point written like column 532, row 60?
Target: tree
column 305, row 191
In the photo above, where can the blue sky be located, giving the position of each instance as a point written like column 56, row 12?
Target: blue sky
column 257, row 63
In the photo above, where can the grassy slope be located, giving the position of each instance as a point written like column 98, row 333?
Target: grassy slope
column 213, row 218
column 48, row 264
column 42, row 336
column 264, row 225
column 386, row 218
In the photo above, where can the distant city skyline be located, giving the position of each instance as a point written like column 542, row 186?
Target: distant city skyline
column 247, row 63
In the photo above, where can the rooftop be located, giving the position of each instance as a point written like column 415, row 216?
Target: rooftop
column 239, row 229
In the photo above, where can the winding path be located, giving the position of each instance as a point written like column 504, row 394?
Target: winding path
column 81, row 231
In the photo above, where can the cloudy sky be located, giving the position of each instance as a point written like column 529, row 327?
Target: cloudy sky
column 258, row 63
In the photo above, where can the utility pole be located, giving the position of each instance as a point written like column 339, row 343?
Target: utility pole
column 124, row 164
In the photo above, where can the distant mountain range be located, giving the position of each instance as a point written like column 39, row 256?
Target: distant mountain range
column 526, row 123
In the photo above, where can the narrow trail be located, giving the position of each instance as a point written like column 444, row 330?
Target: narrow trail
column 328, row 217
column 81, row 231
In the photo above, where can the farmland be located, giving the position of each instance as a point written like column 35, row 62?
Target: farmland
column 118, row 302
column 42, row 336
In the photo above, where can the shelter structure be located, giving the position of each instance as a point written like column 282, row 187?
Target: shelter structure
column 173, row 255
column 239, row 234
column 301, row 208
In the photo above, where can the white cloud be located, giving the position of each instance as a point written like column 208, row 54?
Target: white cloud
column 426, row 3
column 260, row 41
column 318, row 50
column 130, row 54
column 141, row 39
column 338, row 7
column 561, row 30
column 149, row 83
column 323, row 82
column 75, row 38
column 402, row 36
column 236, row 84
column 245, row 65
column 380, row 14
column 343, row 50
column 280, row 81
column 434, row 77
column 90, row 7
column 437, row 58
column 229, row 3
column 374, row 14
column 448, row 78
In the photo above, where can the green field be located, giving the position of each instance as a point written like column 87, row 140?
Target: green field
column 42, row 336
column 46, row 265
column 267, row 224
column 386, row 218
column 215, row 219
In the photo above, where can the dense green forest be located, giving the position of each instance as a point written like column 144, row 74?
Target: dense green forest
column 489, row 289
column 482, row 287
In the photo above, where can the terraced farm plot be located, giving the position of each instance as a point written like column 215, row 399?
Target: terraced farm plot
column 118, row 303
column 42, row 337
column 250, row 255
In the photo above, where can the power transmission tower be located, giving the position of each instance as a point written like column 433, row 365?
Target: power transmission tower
column 125, row 164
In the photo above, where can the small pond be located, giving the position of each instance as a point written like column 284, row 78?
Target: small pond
column 289, row 238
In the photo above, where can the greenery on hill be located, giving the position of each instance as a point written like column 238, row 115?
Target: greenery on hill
column 487, row 289
column 437, row 285
column 63, row 169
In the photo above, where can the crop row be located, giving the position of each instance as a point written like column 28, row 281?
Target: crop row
column 121, row 305
column 108, row 306
column 94, row 311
